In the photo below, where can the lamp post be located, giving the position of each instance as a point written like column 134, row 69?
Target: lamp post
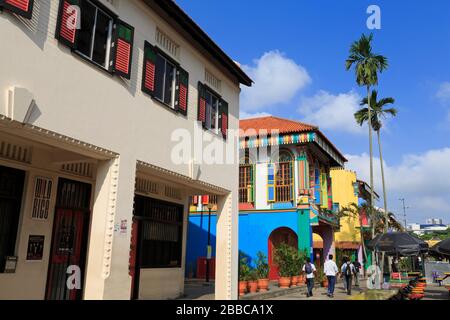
column 209, row 249
column 404, row 211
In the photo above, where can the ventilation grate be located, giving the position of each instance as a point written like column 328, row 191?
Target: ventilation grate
column 83, row 169
column 168, row 44
column 146, row 186
column 16, row 152
column 213, row 81
column 172, row 192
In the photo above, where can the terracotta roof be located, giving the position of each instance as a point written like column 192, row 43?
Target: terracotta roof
column 273, row 123
column 284, row 126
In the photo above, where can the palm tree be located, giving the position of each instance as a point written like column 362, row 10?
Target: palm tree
column 367, row 65
column 378, row 113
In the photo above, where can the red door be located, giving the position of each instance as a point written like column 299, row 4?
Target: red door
column 69, row 241
column 278, row 236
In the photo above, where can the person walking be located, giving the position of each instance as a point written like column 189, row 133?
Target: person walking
column 357, row 266
column 347, row 271
column 331, row 270
column 309, row 269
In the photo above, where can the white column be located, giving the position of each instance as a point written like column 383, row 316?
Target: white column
column 116, row 272
column 227, row 248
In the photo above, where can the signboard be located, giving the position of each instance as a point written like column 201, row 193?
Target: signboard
column 41, row 198
column 35, row 250
column 11, row 264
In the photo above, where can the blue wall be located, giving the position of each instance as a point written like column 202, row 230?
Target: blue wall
column 254, row 232
column 197, row 239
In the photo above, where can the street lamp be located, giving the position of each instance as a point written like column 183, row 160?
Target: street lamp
column 209, row 249
column 404, row 211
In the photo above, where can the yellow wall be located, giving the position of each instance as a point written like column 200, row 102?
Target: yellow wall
column 343, row 193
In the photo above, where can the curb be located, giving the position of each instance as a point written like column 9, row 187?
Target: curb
column 273, row 294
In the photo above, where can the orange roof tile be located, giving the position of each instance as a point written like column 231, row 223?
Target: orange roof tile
column 273, row 123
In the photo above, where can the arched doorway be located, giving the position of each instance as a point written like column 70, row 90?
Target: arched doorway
column 278, row 236
column 318, row 254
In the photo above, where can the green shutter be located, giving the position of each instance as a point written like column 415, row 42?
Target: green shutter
column 149, row 69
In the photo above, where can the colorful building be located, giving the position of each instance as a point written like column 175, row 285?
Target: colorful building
column 88, row 184
column 285, row 191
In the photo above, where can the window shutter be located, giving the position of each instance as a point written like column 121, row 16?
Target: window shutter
column 122, row 49
column 251, row 190
column 23, row 8
column 205, row 200
column 181, row 95
column 270, row 182
column 149, row 69
column 202, row 104
column 223, row 120
column 68, row 20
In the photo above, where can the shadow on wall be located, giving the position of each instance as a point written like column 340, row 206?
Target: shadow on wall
column 197, row 240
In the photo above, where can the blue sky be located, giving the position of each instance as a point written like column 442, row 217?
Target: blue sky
column 302, row 46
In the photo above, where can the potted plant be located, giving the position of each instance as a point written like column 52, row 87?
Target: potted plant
column 302, row 255
column 243, row 275
column 252, row 284
column 321, row 279
column 283, row 259
column 295, row 267
column 262, row 268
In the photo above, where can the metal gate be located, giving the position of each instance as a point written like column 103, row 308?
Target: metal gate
column 69, row 241
column 11, row 188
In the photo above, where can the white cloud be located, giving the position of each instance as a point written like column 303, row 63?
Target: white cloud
column 443, row 93
column 422, row 179
column 247, row 115
column 332, row 112
column 277, row 80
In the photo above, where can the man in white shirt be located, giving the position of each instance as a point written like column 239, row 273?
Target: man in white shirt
column 330, row 269
column 309, row 269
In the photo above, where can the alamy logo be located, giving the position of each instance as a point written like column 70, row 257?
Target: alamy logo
column 374, row 20
column 72, row 13
column 74, row 279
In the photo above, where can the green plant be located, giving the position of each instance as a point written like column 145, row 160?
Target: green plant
column 244, row 269
column 284, row 259
column 320, row 275
column 252, row 275
column 262, row 266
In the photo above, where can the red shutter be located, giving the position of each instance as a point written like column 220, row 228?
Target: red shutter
column 181, row 95
column 23, row 8
column 201, row 103
column 124, row 38
column 195, row 200
column 68, row 20
column 223, row 113
column 149, row 69
column 205, row 200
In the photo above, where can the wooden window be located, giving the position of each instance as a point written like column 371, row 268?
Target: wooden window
column 246, row 184
column 284, row 182
column 96, row 34
column 212, row 111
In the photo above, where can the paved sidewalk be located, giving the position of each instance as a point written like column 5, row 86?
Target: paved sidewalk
column 320, row 293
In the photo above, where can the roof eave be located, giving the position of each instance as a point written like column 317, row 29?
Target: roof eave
column 180, row 20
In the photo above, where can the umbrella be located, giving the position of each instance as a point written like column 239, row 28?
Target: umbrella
column 442, row 248
column 398, row 244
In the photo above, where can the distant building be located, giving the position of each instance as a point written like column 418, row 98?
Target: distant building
column 431, row 225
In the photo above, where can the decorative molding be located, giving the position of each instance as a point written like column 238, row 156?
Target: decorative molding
column 110, row 217
column 82, row 169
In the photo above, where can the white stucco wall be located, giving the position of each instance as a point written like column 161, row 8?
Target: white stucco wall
column 78, row 100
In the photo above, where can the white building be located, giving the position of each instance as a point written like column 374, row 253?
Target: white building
column 87, row 118
column 428, row 227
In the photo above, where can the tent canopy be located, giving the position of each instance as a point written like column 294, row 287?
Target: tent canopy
column 398, row 244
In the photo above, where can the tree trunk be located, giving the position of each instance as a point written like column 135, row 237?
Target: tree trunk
column 386, row 219
column 371, row 161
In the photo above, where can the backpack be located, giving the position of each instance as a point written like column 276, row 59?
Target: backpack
column 348, row 270
column 308, row 268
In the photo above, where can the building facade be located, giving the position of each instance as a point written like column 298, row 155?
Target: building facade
column 94, row 97
column 285, row 192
